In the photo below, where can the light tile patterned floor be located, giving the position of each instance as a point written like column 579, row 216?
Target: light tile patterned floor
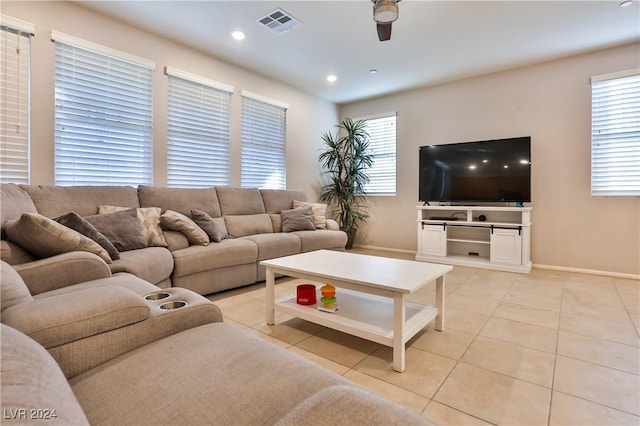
column 548, row 348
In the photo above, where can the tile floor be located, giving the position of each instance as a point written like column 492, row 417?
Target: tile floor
column 548, row 348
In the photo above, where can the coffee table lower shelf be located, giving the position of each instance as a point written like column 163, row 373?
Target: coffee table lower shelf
column 364, row 315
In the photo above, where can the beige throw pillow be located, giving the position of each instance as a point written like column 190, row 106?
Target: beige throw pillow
column 149, row 218
column 319, row 211
column 45, row 237
column 175, row 221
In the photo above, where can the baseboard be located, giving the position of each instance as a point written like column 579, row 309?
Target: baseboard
column 393, row 250
column 587, row 271
column 535, row 265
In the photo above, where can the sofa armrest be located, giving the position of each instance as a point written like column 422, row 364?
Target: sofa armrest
column 64, row 318
column 62, row 270
column 332, row 225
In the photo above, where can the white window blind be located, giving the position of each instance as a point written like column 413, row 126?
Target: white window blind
column 15, row 54
column 382, row 146
column 103, row 117
column 263, row 143
column 199, row 131
column 615, row 134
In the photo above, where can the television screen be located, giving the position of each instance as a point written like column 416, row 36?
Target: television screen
column 496, row 170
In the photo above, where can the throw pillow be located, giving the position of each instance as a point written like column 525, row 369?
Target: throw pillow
column 175, row 221
column 297, row 220
column 213, row 226
column 45, row 237
column 149, row 218
column 76, row 222
column 319, row 211
column 121, row 228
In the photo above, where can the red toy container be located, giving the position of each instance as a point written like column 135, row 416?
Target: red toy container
column 306, row 294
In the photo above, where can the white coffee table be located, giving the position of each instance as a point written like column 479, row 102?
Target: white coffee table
column 371, row 291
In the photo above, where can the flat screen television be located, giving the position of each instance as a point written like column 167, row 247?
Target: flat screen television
column 496, row 170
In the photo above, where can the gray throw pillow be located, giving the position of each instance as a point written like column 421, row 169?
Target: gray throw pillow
column 213, row 226
column 76, row 222
column 297, row 219
column 121, row 228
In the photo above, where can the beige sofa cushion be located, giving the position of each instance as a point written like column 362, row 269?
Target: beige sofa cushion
column 53, row 201
column 249, row 224
column 276, row 200
column 13, row 290
column 181, row 200
column 153, row 264
column 226, row 253
column 63, row 318
column 251, row 383
column 31, row 380
column 239, row 201
column 45, row 237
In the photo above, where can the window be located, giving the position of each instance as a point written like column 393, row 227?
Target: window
column 382, row 146
column 103, row 115
column 615, row 134
column 263, row 142
column 15, row 45
column 199, row 131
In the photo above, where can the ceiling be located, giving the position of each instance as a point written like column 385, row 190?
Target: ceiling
column 432, row 41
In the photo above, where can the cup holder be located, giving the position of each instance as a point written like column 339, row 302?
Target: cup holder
column 157, row 296
column 173, row 305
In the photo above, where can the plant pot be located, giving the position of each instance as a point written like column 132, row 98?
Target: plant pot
column 351, row 237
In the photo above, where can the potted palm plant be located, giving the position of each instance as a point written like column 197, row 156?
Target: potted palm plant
column 345, row 161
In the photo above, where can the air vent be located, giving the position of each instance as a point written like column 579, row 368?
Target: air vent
column 279, row 21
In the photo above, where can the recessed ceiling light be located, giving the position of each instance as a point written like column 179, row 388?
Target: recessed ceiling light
column 625, row 3
column 373, row 71
column 331, row 78
column 238, row 35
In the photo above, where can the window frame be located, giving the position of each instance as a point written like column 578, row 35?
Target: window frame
column 615, row 134
column 15, row 124
column 110, row 112
column 271, row 145
column 392, row 156
column 186, row 125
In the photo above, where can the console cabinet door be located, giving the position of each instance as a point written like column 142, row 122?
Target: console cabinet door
column 506, row 246
column 433, row 240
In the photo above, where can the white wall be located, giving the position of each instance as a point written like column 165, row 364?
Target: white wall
column 549, row 102
column 307, row 118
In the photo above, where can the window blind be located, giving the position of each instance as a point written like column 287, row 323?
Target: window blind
column 382, row 146
column 103, row 118
column 199, row 132
column 263, row 137
column 15, row 54
column 615, row 134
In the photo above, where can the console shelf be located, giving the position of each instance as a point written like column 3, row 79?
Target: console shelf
column 482, row 237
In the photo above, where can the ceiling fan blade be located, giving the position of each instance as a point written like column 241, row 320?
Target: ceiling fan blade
column 384, row 31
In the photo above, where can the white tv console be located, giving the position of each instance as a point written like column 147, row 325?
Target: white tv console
column 496, row 238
